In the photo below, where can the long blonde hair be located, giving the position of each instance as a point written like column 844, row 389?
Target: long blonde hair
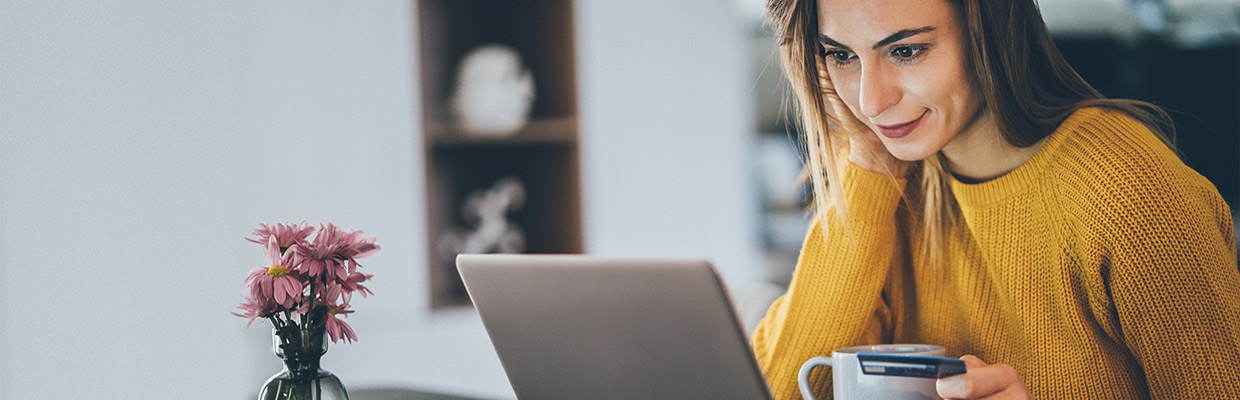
column 1023, row 79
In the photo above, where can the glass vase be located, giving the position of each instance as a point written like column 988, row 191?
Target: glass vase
column 301, row 379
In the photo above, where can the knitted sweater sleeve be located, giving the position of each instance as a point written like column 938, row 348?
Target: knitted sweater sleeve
column 835, row 298
column 1170, row 264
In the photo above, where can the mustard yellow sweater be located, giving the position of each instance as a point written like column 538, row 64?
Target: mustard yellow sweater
column 1102, row 268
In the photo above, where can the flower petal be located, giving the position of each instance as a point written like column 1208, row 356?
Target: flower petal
column 333, row 329
column 348, row 331
column 265, row 284
column 280, row 294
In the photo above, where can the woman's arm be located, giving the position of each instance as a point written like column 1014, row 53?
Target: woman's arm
column 1175, row 288
column 835, row 299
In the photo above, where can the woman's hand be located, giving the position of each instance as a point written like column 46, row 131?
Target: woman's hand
column 999, row 381
column 866, row 150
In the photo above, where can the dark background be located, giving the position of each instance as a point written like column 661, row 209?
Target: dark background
column 1199, row 87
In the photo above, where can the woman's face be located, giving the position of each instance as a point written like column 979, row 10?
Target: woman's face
column 901, row 67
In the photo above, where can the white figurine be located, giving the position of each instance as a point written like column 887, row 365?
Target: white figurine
column 488, row 210
column 494, row 92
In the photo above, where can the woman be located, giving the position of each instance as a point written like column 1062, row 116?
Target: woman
column 983, row 197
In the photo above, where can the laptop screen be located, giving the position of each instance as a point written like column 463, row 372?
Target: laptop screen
column 582, row 327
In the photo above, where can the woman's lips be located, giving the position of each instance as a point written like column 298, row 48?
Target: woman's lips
column 900, row 130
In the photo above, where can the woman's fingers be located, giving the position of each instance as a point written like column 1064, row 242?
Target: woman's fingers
column 971, row 361
column 835, row 105
column 866, row 150
column 980, row 381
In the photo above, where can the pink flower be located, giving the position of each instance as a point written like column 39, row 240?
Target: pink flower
column 275, row 282
column 307, row 285
column 321, row 254
column 333, row 251
column 336, row 327
column 255, row 308
column 354, row 284
column 286, row 234
column 356, row 246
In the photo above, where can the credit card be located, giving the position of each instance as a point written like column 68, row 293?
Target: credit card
column 909, row 365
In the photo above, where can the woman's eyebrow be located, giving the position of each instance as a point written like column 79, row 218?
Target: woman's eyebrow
column 904, row 33
column 895, row 37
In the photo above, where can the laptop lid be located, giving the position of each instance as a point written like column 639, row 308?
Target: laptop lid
column 568, row 326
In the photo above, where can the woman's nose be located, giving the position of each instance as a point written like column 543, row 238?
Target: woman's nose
column 879, row 90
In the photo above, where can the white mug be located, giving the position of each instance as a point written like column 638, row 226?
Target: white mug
column 850, row 383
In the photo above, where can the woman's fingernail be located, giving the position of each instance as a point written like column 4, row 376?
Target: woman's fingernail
column 950, row 386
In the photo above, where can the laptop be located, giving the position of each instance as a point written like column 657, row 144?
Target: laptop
column 571, row 326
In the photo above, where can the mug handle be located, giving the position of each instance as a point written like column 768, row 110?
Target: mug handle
column 803, row 377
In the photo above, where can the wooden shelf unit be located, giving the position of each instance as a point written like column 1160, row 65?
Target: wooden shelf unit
column 544, row 131
column 543, row 155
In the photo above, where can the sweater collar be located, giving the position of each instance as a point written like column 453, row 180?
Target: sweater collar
column 1024, row 177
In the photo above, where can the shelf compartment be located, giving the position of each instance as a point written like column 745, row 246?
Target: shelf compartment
column 544, row 155
column 540, row 30
column 550, row 217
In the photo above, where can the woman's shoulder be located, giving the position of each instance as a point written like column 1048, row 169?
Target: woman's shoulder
column 1113, row 138
column 1102, row 146
column 1111, row 164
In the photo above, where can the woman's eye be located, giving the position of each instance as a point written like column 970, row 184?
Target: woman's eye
column 839, row 57
column 907, row 53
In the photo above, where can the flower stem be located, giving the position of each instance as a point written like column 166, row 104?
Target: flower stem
column 305, row 318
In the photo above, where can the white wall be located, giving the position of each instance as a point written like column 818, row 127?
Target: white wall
column 139, row 142
column 120, row 131
column 667, row 132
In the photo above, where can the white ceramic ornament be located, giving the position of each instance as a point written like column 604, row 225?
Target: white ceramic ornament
column 494, row 92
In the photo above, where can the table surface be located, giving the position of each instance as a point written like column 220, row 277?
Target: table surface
column 401, row 394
